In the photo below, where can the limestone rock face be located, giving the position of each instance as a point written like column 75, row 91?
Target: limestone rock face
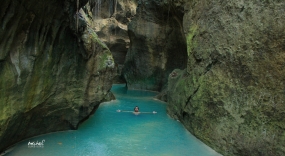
column 110, row 19
column 54, row 71
column 232, row 93
column 157, row 45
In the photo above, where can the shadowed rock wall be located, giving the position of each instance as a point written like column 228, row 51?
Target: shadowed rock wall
column 157, row 45
column 53, row 71
column 232, row 94
column 110, row 18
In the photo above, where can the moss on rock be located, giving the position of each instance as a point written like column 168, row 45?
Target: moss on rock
column 231, row 95
column 49, row 77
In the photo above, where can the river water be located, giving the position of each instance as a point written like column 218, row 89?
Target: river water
column 112, row 133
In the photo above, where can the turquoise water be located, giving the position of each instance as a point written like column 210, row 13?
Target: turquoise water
column 109, row 132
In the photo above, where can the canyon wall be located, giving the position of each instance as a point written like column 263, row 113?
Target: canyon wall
column 54, row 71
column 109, row 19
column 232, row 93
column 157, row 45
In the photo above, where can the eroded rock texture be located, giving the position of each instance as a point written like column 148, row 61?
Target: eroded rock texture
column 232, row 94
column 157, row 45
column 53, row 72
column 110, row 18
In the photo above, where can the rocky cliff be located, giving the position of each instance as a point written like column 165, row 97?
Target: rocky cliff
column 232, row 93
column 54, row 71
column 109, row 19
column 157, row 45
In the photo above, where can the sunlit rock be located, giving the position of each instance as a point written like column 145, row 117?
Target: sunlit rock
column 231, row 95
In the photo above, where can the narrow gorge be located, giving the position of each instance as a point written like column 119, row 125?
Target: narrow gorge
column 219, row 65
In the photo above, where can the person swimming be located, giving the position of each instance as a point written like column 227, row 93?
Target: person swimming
column 136, row 111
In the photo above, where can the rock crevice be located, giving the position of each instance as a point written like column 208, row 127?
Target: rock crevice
column 157, row 45
column 235, row 54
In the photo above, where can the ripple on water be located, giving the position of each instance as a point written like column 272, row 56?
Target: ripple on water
column 108, row 132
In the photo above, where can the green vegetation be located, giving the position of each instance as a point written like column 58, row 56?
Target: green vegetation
column 189, row 38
